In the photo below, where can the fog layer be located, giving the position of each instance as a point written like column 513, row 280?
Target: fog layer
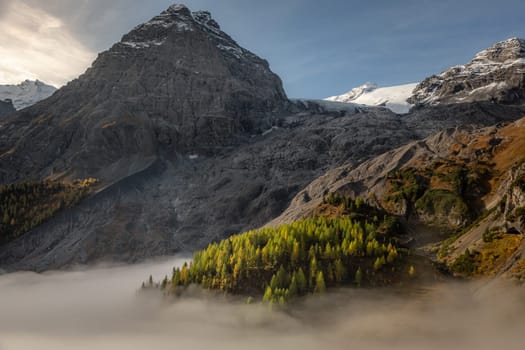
column 100, row 309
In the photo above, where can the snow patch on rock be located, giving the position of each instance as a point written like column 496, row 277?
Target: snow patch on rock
column 143, row 44
column 369, row 94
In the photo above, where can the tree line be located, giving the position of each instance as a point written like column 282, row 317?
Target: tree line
column 299, row 258
column 26, row 205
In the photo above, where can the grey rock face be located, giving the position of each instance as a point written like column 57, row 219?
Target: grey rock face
column 182, row 203
column 6, row 107
column 368, row 179
column 496, row 74
column 176, row 84
column 186, row 202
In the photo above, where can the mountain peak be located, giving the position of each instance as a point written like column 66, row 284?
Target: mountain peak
column 177, row 19
column 366, row 87
column 495, row 74
column 515, row 41
column 503, row 51
column 176, row 84
column 178, row 8
column 355, row 92
column 37, row 83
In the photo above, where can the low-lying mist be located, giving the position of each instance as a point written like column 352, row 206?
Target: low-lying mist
column 100, row 309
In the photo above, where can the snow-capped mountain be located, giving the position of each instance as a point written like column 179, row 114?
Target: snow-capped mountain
column 27, row 93
column 496, row 74
column 392, row 97
column 354, row 93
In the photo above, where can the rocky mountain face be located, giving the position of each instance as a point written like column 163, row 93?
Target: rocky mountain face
column 465, row 180
column 176, row 84
column 185, row 201
column 183, row 204
column 370, row 179
column 6, row 107
column 191, row 139
column 496, row 74
column 27, row 93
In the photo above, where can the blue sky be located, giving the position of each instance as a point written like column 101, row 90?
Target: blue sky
column 322, row 48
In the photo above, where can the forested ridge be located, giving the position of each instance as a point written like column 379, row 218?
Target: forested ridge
column 280, row 263
column 26, row 205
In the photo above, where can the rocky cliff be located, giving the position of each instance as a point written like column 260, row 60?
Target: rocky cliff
column 496, row 74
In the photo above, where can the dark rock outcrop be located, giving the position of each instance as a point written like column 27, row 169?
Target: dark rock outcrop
column 6, row 107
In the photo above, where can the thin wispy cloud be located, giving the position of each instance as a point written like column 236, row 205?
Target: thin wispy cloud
column 37, row 45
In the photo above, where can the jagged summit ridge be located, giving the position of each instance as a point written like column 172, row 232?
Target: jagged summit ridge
column 26, row 93
column 177, row 8
column 495, row 74
column 503, row 51
column 178, row 19
column 155, row 31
